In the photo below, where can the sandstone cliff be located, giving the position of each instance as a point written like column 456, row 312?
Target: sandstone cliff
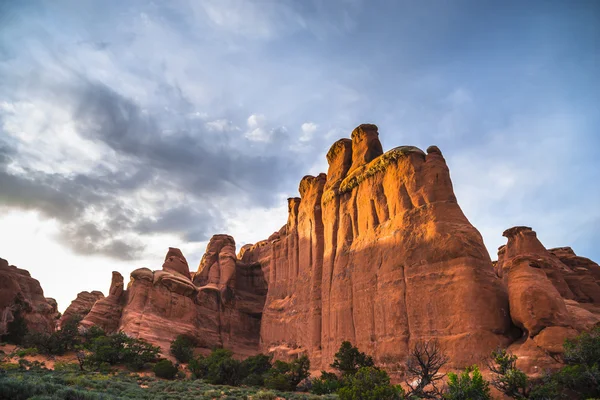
column 19, row 292
column 378, row 252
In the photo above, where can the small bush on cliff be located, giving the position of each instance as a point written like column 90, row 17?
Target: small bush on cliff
column 287, row 376
column 468, row 385
column 370, row 383
column 165, row 369
column 348, row 360
column 182, row 348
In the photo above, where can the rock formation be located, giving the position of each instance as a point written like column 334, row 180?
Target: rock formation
column 106, row 312
column 81, row 306
column 550, row 300
column 221, row 306
column 378, row 252
column 20, row 293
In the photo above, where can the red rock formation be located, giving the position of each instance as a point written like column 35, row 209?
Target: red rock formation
column 81, row 306
column 379, row 253
column 222, row 306
column 544, row 294
column 20, row 292
column 106, row 312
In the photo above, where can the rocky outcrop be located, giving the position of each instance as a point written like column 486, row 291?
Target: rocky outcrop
column 22, row 294
column 549, row 299
column 220, row 305
column 81, row 306
column 378, row 252
column 106, row 312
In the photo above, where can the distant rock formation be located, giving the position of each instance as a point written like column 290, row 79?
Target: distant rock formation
column 221, row 306
column 81, row 306
column 19, row 292
column 378, row 252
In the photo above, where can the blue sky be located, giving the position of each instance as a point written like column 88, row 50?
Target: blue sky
column 129, row 127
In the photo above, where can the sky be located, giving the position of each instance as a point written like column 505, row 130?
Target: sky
column 129, row 127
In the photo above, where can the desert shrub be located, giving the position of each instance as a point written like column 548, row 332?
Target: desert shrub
column 198, row 366
column 580, row 377
column 165, row 369
column 287, row 376
column 425, row 360
column 93, row 332
column 182, row 348
column 370, row 383
column 348, row 360
column 507, row 378
column 327, row 383
column 219, row 368
column 66, row 366
column 253, row 370
column 56, row 343
column 468, row 385
column 121, row 349
column 264, row 395
column 30, row 351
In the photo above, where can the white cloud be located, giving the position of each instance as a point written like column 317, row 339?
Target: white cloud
column 308, row 130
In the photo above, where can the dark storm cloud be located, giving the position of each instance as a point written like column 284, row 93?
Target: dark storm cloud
column 185, row 174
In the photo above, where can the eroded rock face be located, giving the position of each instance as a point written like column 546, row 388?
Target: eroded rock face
column 106, row 312
column 221, row 306
column 550, row 300
column 19, row 291
column 82, row 305
column 380, row 254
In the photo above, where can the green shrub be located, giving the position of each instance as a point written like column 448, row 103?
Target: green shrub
column 253, row 370
column 165, row 369
column 121, row 349
column 469, row 385
column 31, row 351
column 370, row 383
column 326, row 384
column 348, row 360
column 264, row 395
column 56, row 343
column 182, row 348
column 66, row 366
column 287, row 376
column 198, row 367
column 508, row 379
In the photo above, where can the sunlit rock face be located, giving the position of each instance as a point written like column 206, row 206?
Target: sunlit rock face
column 553, row 295
column 378, row 252
column 19, row 292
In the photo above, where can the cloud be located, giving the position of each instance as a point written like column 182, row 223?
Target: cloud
column 308, row 130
